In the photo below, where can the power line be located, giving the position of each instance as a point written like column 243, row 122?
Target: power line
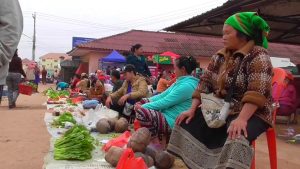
column 176, row 12
column 81, row 22
column 124, row 25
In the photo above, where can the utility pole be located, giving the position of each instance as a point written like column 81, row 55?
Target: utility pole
column 33, row 42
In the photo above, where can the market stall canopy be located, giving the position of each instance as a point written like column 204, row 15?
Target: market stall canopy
column 171, row 54
column 115, row 57
column 165, row 58
column 283, row 16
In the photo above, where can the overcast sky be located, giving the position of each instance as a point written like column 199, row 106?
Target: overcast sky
column 59, row 20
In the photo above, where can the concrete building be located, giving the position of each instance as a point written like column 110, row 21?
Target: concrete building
column 202, row 47
column 51, row 61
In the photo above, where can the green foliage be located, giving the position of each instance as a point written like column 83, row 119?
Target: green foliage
column 75, row 144
column 62, row 119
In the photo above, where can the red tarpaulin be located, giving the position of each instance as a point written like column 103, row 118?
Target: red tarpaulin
column 83, row 68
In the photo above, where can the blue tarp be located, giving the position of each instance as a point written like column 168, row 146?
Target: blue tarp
column 114, row 56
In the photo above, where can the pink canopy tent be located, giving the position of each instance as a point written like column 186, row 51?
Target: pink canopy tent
column 171, row 54
column 167, row 53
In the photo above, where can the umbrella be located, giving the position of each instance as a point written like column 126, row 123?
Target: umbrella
column 165, row 58
column 171, row 54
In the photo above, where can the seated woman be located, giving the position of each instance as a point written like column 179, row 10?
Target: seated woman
column 162, row 83
column 287, row 97
column 159, row 112
column 84, row 84
column 133, row 89
column 199, row 146
column 97, row 91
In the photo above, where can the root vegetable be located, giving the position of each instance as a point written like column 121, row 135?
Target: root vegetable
column 103, row 126
column 164, row 160
column 121, row 125
column 113, row 155
column 151, row 151
column 148, row 160
column 140, row 140
column 112, row 123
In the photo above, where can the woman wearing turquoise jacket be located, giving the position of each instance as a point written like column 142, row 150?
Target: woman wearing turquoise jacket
column 159, row 112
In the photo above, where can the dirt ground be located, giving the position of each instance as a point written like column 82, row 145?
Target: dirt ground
column 24, row 140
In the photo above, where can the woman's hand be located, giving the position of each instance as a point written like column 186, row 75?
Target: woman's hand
column 188, row 115
column 108, row 102
column 236, row 128
column 123, row 99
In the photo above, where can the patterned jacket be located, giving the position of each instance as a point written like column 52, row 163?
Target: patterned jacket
column 253, row 84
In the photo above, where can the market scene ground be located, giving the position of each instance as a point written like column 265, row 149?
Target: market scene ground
column 24, row 140
column 112, row 85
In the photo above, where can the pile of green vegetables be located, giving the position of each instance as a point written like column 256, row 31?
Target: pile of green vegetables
column 75, row 144
column 33, row 85
column 55, row 95
column 62, row 119
column 64, row 93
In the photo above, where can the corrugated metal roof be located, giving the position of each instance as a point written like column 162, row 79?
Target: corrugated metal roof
column 180, row 43
column 283, row 16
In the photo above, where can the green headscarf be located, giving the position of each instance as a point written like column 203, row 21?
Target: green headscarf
column 249, row 23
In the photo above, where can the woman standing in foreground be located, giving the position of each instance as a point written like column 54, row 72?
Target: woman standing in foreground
column 229, row 146
column 13, row 79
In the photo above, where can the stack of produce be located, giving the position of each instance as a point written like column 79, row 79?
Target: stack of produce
column 33, row 85
column 56, row 97
column 62, row 119
column 63, row 94
column 105, row 126
column 139, row 143
column 75, row 144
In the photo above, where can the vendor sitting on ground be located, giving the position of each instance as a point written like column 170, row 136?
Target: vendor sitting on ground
column 62, row 86
column 84, row 84
column 159, row 112
column 97, row 91
column 133, row 89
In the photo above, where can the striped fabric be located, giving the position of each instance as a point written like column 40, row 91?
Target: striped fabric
column 153, row 120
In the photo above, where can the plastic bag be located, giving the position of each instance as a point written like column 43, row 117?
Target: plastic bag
column 136, row 125
column 90, row 104
column 120, row 141
column 100, row 112
column 104, row 112
column 128, row 161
